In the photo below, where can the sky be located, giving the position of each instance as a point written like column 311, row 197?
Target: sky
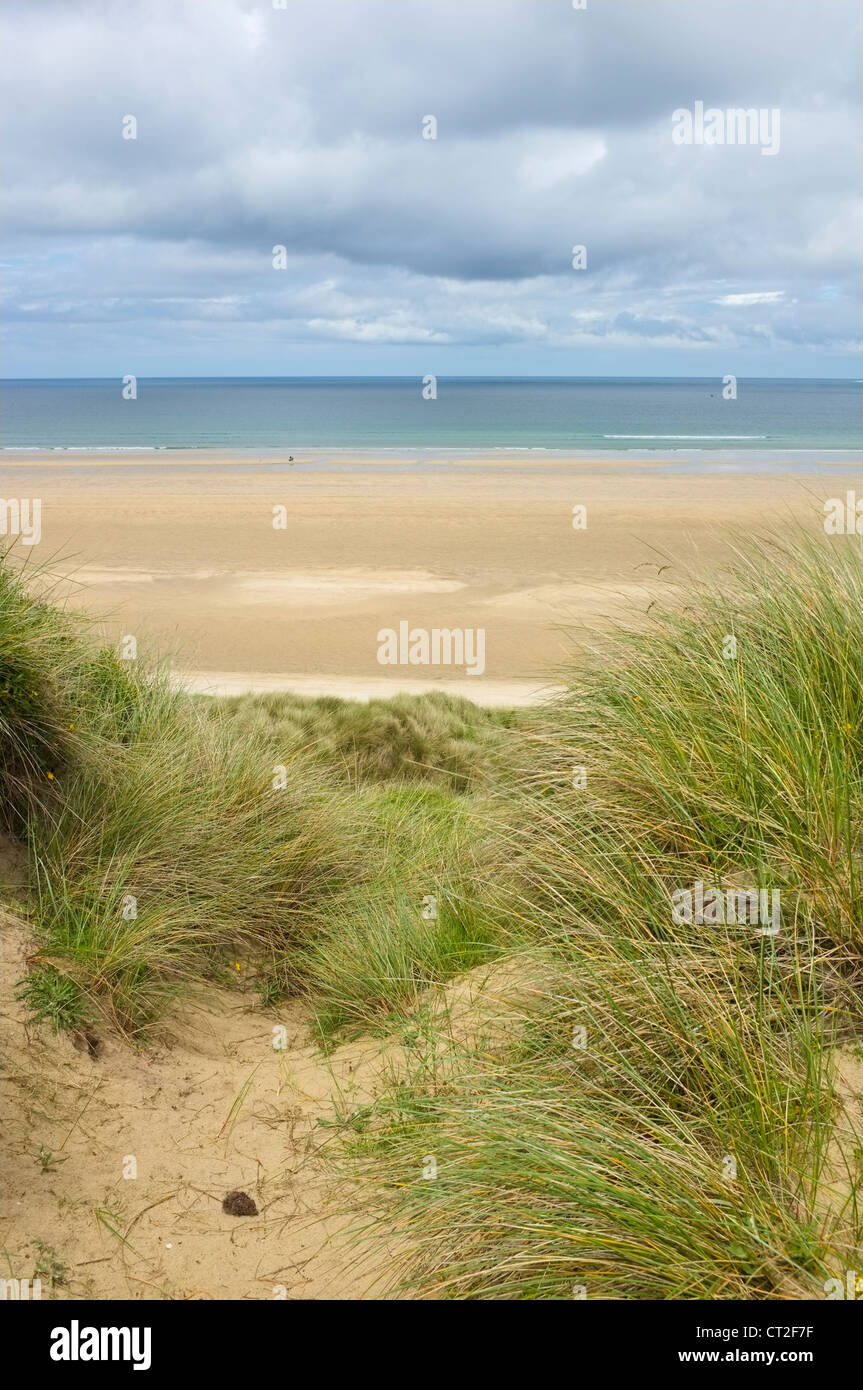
column 300, row 124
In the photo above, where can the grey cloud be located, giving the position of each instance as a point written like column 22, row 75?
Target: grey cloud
column 302, row 127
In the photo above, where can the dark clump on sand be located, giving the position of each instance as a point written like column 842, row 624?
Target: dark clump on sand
column 239, row 1204
column 85, row 1041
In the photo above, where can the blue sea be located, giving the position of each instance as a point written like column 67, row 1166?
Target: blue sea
column 471, row 413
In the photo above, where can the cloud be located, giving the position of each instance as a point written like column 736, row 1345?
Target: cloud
column 755, row 297
column 303, row 128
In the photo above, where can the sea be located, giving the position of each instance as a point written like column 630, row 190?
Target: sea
column 385, row 414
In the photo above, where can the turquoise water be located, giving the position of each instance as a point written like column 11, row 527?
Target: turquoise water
column 297, row 413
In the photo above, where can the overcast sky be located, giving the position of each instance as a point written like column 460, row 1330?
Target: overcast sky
column 302, row 127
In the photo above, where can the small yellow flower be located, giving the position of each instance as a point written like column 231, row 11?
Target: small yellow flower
column 236, row 965
column 50, row 777
column 71, row 726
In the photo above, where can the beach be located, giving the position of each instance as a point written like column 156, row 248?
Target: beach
column 431, row 673
column 182, row 553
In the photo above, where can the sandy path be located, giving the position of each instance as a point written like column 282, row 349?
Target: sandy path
column 211, row 1108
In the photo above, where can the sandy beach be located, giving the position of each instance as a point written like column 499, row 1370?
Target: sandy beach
column 184, row 555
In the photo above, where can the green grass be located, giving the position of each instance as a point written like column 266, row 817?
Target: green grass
column 602, row 1168
column 707, row 1047
column 374, row 950
column 54, row 997
column 435, row 738
column 40, row 667
column 163, row 830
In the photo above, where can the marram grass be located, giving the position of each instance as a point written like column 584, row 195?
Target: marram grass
column 657, row 1118
column 166, row 832
column 665, row 1127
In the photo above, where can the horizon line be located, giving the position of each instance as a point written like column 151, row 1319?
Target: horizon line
column 415, row 376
